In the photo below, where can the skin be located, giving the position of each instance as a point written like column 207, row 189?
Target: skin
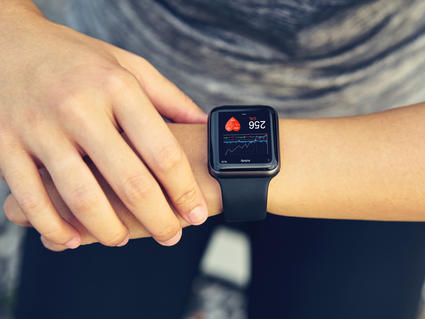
column 368, row 167
column 64, row 95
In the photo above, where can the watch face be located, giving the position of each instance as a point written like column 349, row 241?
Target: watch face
column 243, row 138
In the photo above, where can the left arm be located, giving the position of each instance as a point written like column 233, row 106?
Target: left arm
column 356, row 167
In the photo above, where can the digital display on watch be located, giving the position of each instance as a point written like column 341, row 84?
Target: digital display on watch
column 243, row 155
column 244, row 137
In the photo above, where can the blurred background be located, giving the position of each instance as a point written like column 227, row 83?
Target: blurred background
column 219, row 292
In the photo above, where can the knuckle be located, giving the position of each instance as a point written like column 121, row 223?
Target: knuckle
column 166, row 232
column 69, row 103
column 116, row 239
column 169, row 157
column 55, row 234
column 74, row 110
column 136, row 188
column 31, row 203
column 74, row 107
column 117, row 81
column 82, row 199
column 188, row 199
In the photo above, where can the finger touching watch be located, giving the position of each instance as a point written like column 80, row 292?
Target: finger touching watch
column 243, row 155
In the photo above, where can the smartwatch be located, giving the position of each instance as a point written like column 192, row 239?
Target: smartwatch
column 243, row 155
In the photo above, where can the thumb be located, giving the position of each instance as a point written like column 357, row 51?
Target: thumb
column 168, row 99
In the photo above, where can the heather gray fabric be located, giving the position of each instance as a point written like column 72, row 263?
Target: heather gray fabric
column 308, row 58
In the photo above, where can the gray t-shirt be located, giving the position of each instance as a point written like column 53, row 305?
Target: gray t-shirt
column 307, row 58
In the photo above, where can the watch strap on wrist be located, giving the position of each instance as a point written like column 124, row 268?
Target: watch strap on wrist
column 244, row 199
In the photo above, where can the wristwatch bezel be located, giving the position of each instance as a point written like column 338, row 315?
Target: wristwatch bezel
column 217, row 169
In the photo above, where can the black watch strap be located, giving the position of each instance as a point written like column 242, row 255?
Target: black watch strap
column 244, row 199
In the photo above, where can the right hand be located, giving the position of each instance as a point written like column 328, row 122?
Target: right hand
column 193, row 139
column 63, row 95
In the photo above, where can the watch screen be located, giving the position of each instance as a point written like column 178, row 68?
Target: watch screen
column 244, row 137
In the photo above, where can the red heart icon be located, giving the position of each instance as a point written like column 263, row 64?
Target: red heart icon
column 232, row 125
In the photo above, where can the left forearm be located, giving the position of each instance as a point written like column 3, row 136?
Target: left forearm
column 356, row 167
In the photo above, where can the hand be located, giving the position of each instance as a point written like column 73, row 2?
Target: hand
column 193, row 140
column 64, row 95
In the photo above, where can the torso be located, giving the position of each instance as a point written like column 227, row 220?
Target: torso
column 307, row 58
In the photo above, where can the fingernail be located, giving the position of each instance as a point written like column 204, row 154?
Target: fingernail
column 173, row 240
column 73, row 243
column 124, row 242
column 198, row 215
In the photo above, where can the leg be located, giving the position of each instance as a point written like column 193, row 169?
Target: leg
column 142, row 279
column 307, row 268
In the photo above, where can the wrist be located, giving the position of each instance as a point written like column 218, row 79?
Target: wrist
column 193, row 139
column 278, row 196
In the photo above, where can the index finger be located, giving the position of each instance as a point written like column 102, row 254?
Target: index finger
column 160, row 150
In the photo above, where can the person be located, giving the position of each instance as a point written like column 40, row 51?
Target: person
column 325, row 66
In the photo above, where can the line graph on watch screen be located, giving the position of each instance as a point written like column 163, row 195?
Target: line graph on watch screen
column 245, row 145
